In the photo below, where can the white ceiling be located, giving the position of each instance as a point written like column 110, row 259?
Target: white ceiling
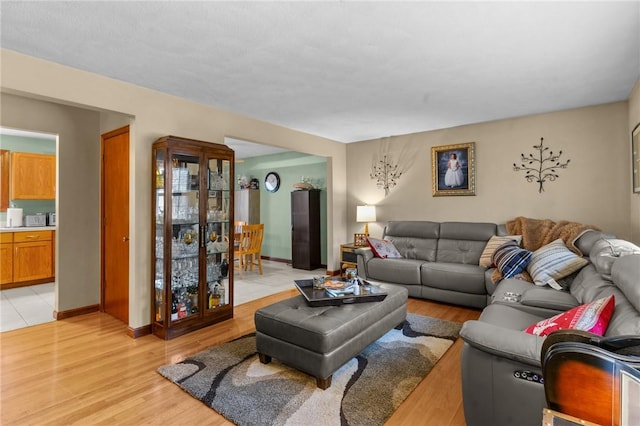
column 347, row 70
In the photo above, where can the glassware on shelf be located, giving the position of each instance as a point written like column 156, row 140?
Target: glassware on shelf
column 188, row 238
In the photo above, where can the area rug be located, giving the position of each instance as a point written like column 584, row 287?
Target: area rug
column 230, row 379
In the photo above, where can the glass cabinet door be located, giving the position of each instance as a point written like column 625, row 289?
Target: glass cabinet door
column 217, row 233
column 159, row 206
column 185, row 232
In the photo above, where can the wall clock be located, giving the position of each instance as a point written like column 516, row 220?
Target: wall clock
column 272, row 182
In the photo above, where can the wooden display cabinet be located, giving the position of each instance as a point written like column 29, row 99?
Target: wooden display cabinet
column 192, row 209
column 305, row 229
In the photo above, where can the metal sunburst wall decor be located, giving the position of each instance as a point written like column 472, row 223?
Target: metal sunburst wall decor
column 542, row 167
column 385, row 170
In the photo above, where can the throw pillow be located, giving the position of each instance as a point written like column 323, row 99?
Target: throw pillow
column 511, row 259
column 493, row 243
column 553, row 262
column 383, row 248
column 592, row 317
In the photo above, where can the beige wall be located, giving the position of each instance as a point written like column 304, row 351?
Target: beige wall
column 634, row 120
column 593, row 189
column 154, row 115
column 78, row 196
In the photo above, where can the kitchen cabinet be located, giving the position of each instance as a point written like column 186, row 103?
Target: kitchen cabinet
column 6, row 257
column 26, row 257
column 305, row 229
column 32, row 256
column 4, row 179
column 33, row 176
column 247, row 206
column 192, row 231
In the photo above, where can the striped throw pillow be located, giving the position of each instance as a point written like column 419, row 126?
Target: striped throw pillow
column 493, row 243
column 511, row 259
column 553, row 262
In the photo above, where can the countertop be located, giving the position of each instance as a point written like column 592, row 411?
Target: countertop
column 29, row 229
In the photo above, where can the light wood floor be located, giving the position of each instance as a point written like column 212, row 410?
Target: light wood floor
column 86, row 371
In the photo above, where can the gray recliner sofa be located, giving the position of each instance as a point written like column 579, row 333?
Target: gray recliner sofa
column 502, row 380
column 440, row 261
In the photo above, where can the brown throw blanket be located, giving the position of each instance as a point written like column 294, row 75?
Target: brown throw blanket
column 537, row 233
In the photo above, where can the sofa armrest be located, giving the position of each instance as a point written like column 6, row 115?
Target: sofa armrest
column 503, row 342
column 546, row 297
column 364, row 255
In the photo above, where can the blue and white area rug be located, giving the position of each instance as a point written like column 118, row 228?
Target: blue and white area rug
column 230, row 379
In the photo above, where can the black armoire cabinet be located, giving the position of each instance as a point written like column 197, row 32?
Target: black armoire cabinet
column 305, row 229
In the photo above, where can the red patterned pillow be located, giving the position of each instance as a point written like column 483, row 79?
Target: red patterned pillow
column 592, row 317
column 383, row 248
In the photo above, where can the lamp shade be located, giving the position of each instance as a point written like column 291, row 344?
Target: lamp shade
column 366, row 214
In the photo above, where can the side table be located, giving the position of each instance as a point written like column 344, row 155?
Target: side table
column 348, row 257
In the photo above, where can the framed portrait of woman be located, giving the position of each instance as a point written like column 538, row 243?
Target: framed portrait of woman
column 453, row 169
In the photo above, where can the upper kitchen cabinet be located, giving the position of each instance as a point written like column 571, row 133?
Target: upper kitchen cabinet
column 4, row 179
column 33, row 176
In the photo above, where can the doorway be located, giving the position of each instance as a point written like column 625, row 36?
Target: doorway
column 114, row 253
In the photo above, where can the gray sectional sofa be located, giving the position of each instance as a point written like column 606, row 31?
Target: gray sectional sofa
column 501, row 367
column 439, row 261
column 496, row 351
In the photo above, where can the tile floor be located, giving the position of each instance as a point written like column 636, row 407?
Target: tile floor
column 26, row 306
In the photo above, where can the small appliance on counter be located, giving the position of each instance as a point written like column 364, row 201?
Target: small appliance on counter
column 51, row 219
column 14, row 217
column 33, row 220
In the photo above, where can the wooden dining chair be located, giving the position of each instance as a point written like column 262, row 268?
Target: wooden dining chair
column 247, row 251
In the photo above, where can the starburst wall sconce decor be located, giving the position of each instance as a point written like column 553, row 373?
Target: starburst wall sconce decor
column 542, row 167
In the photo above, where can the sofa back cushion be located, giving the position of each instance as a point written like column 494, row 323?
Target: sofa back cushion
column 463, row 242
column 414, row 239
column 585, row 243
column 625, row 273
column 589, row 285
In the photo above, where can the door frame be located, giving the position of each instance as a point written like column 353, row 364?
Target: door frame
column 103, row 138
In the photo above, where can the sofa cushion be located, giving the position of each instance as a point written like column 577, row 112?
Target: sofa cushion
column 383, row 248
column 398, row 271
column 511, row 259
column 606, row 251
column 463, row 242
column 414, row 239
column 592, row 317
column 486, row 258
column 553, row 262
column 626, row 275
column 454, row 276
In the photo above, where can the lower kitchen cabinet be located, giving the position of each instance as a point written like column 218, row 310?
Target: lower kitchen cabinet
column 27, row 258
column 6, row 258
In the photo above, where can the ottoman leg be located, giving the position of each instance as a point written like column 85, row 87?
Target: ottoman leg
column 265, row 359
column 324, row 383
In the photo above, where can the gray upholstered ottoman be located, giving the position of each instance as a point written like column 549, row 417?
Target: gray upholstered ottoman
column 319, row 340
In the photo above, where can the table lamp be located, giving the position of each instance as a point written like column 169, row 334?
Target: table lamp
column 366, row 214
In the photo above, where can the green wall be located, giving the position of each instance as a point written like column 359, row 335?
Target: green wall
column 29, row 144
column 275, row 208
